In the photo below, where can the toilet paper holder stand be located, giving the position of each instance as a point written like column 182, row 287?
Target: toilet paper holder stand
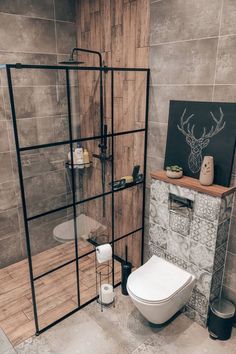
column 103, row 276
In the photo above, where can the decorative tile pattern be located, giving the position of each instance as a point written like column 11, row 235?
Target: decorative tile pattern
column 219, row 257
column 159, row 214
column 178, row 245
column 160, row 191
column 177, row 261
column 217, row 279
column 226, row 207
column 214, row 294
column 182, row 192
column 158, row 251
column 179, row 223
column 158, row 235
column 195, row 316
column 207, row 207
column 203, row 279
column 199, row 302
column 201, row 256
column 203, row 231
column 196, row 243
column 222, row 233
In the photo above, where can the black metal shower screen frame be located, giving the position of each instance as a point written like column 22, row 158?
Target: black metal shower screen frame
column 70, row 142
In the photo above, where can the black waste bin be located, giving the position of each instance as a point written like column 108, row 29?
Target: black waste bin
column 221, row 319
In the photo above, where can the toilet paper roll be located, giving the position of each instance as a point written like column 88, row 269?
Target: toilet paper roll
column 106, row 295
column 104, row 253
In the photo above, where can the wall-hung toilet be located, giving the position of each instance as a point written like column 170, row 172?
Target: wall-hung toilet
column 159, row 289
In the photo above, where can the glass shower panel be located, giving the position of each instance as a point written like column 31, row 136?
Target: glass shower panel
column 41, row 106
column 92, row 176
column 128, row 211
column 86, row 103
column 97, row 230
column 56, row 295
column 134, row 243
column 52, row 241
column 129, row 100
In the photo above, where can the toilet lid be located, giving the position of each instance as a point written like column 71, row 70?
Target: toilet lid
column 157, row 280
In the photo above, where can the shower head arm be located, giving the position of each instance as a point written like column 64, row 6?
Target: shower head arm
column 86, row 51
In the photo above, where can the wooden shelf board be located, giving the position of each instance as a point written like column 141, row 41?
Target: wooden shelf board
column 192, row 183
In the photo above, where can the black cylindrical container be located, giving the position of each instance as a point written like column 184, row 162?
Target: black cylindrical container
column 126, row 270
column 221, row 319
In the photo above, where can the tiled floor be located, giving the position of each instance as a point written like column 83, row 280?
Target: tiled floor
column 123, row 330
column 56, row 293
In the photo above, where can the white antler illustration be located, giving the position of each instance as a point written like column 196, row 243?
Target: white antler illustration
column 198, row 144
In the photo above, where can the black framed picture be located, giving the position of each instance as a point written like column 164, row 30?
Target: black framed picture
column 197, row 129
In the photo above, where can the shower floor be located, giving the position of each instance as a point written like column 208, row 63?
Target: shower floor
column 56, row 292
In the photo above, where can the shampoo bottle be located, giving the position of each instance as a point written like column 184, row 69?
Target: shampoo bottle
column 86, row 158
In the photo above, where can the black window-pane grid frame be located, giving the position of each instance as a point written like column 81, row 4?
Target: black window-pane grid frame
column 70, row 142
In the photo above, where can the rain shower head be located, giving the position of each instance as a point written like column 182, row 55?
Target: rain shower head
column 71, row 61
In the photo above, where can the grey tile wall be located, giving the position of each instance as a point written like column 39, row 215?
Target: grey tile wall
column 33, row 32
column 192, row 57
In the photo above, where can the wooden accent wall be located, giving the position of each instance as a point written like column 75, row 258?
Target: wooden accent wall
column 119, row 29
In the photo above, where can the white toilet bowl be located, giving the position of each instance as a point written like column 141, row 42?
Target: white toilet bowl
column 159, row 289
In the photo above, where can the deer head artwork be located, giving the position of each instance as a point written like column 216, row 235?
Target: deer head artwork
column 198, row 144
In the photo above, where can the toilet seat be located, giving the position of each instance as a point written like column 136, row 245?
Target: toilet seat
column 157, row 281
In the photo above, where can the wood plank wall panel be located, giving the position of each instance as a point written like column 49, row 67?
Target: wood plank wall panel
column 119, row 29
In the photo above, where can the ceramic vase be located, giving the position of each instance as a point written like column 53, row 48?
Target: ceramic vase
column 207, row 171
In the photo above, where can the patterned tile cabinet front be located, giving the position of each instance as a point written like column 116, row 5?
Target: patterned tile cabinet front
column 196, row 243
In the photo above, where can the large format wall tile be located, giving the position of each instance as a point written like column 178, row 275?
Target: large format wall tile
column 30, row 77
column 4, row 141
column 8, row 196
column 172, row 20
column 6, row 174
column 32, row 8
column 26, row 34
column 9, row 223
column 160, row 97
column 226, row 67
column 66, row 39
column 228, row 17
column 230, row 271
column 157, row 139
column 10, row 250
column 65, row 10
column 184, row 62
column 38, row 101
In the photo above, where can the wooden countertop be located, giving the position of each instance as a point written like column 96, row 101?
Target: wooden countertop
column 192, row 183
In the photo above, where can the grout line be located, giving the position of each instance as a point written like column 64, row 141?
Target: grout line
column 36, row 17
column 182, row 41
column 29, row 52
column 190, row 85
column 217, row 50
column 192, row 39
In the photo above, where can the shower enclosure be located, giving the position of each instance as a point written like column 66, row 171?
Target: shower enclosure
column 53, row 108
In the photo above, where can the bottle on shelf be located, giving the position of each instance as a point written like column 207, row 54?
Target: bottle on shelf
column 79, row 156
column 86, row 158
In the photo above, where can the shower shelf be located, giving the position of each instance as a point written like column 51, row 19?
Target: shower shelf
column 77, row 166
